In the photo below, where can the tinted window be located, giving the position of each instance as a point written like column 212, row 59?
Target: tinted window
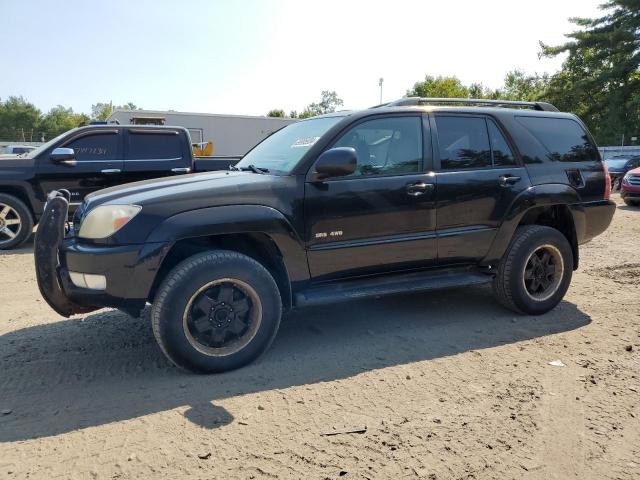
column 502, row 154
column 463, row 142
column 386, row 146
column 563, row 139
column 143, row 146
column 95, row 147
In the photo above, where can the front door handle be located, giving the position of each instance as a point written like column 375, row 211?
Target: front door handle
column 181, row 170
column 110, row 170
column 506, row 180
column 420, row 188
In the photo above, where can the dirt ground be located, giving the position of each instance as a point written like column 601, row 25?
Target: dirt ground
column 439, row 385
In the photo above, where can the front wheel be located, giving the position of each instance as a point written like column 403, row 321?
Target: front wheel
column 536, row 270
column 216, row 311
column 16, row 222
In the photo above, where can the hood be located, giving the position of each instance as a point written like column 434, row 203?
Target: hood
column 168, row 196
column 14, row 166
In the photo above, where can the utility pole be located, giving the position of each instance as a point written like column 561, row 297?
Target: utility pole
column 380, row 85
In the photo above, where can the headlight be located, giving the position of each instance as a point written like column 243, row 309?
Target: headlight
column 105, row 220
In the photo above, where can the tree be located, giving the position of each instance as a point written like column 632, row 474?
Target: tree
column 18, row 120
column 520, row 86
column 101, row 110
column 328, row 104
column 600, row 79
column 441, row 87
column 60, row 119
column 275, row 113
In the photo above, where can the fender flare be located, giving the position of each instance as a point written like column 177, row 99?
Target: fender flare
column 533, row 197
column 238, row 219
column 36, row 206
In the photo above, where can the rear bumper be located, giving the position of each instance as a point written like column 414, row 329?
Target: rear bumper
column 130, row 270
column 597, row 217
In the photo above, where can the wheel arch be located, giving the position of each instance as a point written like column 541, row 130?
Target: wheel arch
column 21, row 192
column 553, row 205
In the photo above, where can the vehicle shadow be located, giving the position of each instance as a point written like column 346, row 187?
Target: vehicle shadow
column 629, row 207
column 73, row 374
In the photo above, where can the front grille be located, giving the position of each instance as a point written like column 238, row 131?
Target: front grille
column 634, row 180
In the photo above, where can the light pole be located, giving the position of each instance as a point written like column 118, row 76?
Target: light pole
column 380, row 84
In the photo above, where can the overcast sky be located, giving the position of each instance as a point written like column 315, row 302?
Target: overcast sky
column 246, row 57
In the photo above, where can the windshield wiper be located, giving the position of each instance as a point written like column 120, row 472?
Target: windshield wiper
column 254, row 169
column 233, row 167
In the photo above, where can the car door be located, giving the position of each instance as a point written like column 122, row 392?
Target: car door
column 381, row 217
column 98, row 164
column 155, row 152
column 478, row 176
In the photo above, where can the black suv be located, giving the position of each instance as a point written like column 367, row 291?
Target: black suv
column 413, row 195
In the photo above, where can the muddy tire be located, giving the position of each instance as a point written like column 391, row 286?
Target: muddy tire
column 535, row 272
column 216, row 311
column 16, row 222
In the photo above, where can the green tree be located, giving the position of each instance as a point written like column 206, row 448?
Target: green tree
column 600, row 78
column 101, row 110
column 328, row 104
column 275, row 113
column 60, row 119
column 441, row 87
column 18, row 120
column 520, row 86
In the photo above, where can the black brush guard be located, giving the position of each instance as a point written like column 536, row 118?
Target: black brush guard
column 49, row 237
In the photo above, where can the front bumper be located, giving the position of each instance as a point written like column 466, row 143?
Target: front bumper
column 130, row 270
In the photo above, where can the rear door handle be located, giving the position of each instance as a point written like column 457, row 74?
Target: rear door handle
column 420, row 188
column 506, row 180
column 110, row 170
column 181, row 170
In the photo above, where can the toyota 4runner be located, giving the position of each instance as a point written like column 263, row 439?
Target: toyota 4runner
column 408, row 196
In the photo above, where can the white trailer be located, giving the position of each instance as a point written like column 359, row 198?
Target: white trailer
column 232, row 135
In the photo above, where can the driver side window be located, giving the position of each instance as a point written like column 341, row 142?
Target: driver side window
column 386, row 146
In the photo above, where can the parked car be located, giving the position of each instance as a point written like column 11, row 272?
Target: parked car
column 630, row 191
column 87, row 159
column 399, row 198
column 619, row 165
column 17, row 149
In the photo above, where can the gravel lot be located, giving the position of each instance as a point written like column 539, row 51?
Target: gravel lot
column 439, row 385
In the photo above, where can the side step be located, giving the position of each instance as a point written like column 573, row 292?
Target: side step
column 387, row 285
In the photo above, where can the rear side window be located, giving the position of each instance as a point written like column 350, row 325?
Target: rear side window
column 154, row 146
column 463, row 142
column 563, row 138
column 502, row 154
column 95, row 147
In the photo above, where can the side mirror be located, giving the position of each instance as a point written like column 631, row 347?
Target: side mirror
column 336, row 162
column 63, row 156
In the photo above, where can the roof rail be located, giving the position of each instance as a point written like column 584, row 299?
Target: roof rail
column 543, row 106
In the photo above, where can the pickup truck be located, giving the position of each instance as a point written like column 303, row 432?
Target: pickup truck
column 415, row 195
column 87, row 159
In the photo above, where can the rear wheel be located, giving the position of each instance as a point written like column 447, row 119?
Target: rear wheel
column 535, row 272
column 216, row 311
column 631, row 203
column 16, row 222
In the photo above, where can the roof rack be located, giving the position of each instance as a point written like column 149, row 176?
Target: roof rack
column 543, row 106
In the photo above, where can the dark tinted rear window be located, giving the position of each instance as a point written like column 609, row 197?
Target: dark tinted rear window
column 95, row 147
column 563, row 138
column 463, row 142
column 502, row 154
column 158, row 146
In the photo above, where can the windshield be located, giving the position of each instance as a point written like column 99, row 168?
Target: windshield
column 616, row 163
column 44, row 146
column 280, row 152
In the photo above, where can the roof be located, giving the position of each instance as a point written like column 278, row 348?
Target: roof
column 164, row 113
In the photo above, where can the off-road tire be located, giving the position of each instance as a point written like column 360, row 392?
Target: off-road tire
column 26, row 222
column 179, row 288
column 509, row 285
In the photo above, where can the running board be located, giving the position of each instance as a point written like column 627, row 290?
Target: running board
column 388, row 285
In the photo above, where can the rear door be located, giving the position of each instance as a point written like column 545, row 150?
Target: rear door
column 478, row 176
column 155, row 152
column 98, row 154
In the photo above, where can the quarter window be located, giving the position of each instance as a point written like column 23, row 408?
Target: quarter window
column 386, row 146
column 463, row 142
column 563, row 138
column 95, row 147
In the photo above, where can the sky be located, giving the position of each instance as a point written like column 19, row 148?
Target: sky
column 249, row 56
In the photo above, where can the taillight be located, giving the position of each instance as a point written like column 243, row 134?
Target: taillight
column 607, row 182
